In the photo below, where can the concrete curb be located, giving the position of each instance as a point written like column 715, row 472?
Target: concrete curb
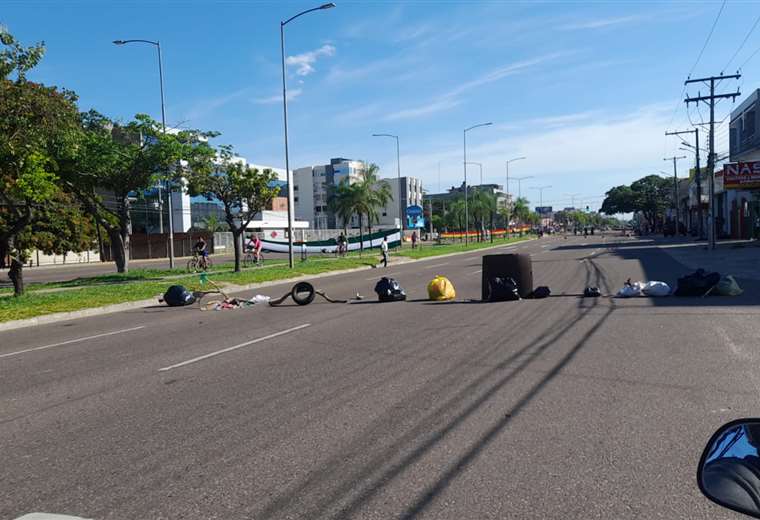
column 118, row 307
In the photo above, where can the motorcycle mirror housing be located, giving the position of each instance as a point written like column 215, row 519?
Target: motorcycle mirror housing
column 729, row 469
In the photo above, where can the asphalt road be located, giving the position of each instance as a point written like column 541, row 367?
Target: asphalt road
column 557, row 408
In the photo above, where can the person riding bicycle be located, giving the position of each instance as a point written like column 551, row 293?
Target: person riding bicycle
column 342, row 244
column 201, row 249
column 254, row 246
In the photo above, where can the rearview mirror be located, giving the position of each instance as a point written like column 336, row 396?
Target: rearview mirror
column 729, row 469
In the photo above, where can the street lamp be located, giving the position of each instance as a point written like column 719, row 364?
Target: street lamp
column 398, row 171
column 466, row 214
column 157, row 44
column 288, row 173
column 481, row 169
column 507, row 185
column 519, row 184
column 540, row 193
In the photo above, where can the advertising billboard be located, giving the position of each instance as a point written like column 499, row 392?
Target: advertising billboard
column 544, row 210
column 414, row 218
column 741, row 175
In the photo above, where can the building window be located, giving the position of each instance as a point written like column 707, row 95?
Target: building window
column 318, row 209
column 295, row 199
column 295, row 187
column 749, row 123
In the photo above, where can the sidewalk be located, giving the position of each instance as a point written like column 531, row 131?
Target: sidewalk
column 737, row 258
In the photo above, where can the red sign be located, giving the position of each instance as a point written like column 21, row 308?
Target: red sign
column 742, row 175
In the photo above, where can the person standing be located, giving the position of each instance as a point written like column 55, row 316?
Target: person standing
column 414, row 239
column 384, row 249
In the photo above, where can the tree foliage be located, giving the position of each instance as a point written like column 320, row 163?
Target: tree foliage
column 243, row 190
column 39, row 131
column 649, row 195
column 116, row 162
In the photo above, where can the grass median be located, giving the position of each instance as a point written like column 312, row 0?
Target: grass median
column 142, row 284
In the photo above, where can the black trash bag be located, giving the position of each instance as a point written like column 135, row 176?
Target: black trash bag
column 591, row 292
column 389, row 290
column 541, row 291
column 502, row 289
column 697, row 283
column 178, row 296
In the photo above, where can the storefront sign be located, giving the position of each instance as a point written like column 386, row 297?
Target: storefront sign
column 742, row 175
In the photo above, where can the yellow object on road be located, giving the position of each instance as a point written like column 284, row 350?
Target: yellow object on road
column 441, row 289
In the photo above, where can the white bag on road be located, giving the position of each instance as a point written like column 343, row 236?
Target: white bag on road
column 630, row 289
column 655, row 289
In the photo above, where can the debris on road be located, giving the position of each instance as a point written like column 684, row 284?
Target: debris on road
column 630, row 289
column 389, row 290
column 727, row 286
column 177, row 296
column 699, row 283
column 541, row 291
column 303, row 293
column 502, row 289
column 591, row 292
column 655, row 288
column 440, row 288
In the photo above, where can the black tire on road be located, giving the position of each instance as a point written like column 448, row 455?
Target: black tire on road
column 299, row 289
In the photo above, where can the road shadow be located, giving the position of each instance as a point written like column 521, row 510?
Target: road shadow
column 341, row 489
column 660, row 266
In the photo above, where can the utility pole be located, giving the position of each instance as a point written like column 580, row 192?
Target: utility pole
column 698, row 176
column 710, row 100
column 675, row 187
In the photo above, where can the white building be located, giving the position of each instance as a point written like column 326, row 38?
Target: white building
column 311, row 188
column 409, row 191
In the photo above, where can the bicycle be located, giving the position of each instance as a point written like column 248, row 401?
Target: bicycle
column 199, row 263
column 252, row 259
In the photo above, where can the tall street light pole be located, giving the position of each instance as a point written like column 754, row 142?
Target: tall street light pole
column 157, row 44
column 675, row 187
column 540, row 193
column 466, row 213
column 288, row 173
column 398, row 172
column 519, row 184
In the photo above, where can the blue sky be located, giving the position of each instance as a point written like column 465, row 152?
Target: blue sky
column 585, row 90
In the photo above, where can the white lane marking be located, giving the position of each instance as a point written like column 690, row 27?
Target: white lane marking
column 235, row 347
column 545, row 246
column 77, row 340
column 584, row 244
column 478, row 271
column 381, row 273
column 438, row 265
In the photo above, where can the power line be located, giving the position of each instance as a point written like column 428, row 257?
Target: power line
column 752, row 29
column 709, row 36
column 699, row 57
column 748, row 59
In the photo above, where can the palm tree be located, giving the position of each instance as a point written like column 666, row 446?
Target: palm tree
column 370, row 194
column 340, row 200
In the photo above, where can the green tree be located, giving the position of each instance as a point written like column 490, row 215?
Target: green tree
column 117, row 162
column 370, row 194
column 213, row 224
column 520, row 210
column 38, row 133
column 341, row 201
column 244, row 191
column 650, row 195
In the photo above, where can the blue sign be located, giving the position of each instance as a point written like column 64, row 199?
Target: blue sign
column 544, row 210
column 414, row 218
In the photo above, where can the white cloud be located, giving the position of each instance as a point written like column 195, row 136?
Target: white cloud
column 305, row 62
column 588, row 153
column 598, row 23
column 210, row 105
column 449, row 99
column 277, row 98
column 423, row 110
